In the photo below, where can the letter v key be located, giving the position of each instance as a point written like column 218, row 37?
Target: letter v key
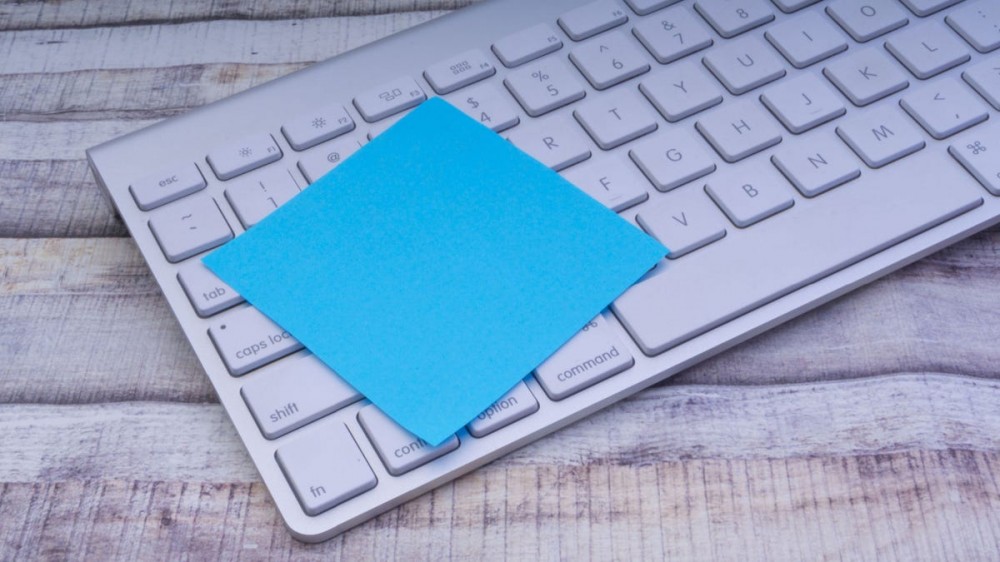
column 698, row 223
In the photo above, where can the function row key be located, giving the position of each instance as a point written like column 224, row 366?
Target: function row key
column 244, row 155
column 593, row 18
column 527, row 45
column 389, row 99
column 167, row 185
column 309, row 129
column 457, row 72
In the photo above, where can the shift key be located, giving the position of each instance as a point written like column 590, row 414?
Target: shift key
column 246, row 339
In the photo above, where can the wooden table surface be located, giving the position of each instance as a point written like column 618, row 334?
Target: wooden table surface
column 868, row 429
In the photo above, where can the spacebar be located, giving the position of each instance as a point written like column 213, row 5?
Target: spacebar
column 750, row 268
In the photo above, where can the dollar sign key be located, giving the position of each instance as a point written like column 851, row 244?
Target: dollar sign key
column 472, row 102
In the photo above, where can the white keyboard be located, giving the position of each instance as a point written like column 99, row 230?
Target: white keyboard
column 786, row 151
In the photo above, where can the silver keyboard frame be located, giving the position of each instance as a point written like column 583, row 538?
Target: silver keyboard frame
column 189, row 137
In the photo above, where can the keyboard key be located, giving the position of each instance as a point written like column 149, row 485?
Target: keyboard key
column 944, row 108
column 744, row 64
column 881, row 136
column 527, row 45
column 590, row 19
column 789, row 6
column 294, row 392
column 927, row 7
column 516, row 405
column 977, row 152
column 208, row 294
column 643, row 7
column 672, row 159
column 866, row 76
column 739, row 129
column 684, row 221
column 851, row 224
column 320, row 161
column 253, row 198
column 325, row 468
column 189, row 227
column 803, row 102
column 400, row 450
column 682, row 92
column 160, row 188
column 314, row 127
column 672, row 35
column 488, row 105
column 246, row 340
column 460, row 71
column 806, row 39
column 557, row 142
column 978, row 23
column 543, row 86
column 817, row 166
column 614, row 182
column 609, row 61
column 242, row 156
column 732, row 17
column 867, row 19
column 927, row 50
column 985, row 78
column 592, row 355
column 389, row 98
column 616, row 118
column 751, row 195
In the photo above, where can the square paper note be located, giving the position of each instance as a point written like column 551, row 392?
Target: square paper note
column 436, row 267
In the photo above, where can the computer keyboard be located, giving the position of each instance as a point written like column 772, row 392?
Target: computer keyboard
column 786, row 151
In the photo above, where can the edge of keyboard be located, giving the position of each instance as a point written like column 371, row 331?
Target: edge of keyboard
column 189, row 137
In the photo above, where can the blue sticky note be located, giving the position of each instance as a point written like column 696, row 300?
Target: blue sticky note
column 436, row 267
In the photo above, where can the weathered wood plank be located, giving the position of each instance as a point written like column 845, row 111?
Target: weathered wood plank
column 899, row 467
column 70, row 305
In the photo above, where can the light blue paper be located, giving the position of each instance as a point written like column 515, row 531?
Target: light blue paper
column 436, row 267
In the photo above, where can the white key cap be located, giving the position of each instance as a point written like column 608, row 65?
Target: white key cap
column 543, row 86
column 488, row 105
column 400, row 450
column 671, row 159
column 459, row 71
column 927, row 7
column 516, row 405
column 684, row 221
column 866, row 76
column 614, row 182
column 527, row 45
column 294, row 392
column 674, row 34
column 789, row 6
column 189, row 227
column 978, row 23
column 803, row 102
column 881, row 136
column 319, row 161
column 945, row 107
column 977, row 151
column 255, row 197
column 682, row 92
column 592, row 355
column 610, row 60
column 806, row 39
column 593, row 18
column 325, row 468
column 744, row 64
column 817, row 166
column 643, row 7
column 208, row 293
column 732, row 17
column 739, row 129
column 616, row 118
column 867, row 19
column 246, row 340
column 557, row 142
column 751, row 195
column 314, row 127
column 985, row 78
column 389, row 98
column 239, row 157
column 927, row 50
column 166, row 185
